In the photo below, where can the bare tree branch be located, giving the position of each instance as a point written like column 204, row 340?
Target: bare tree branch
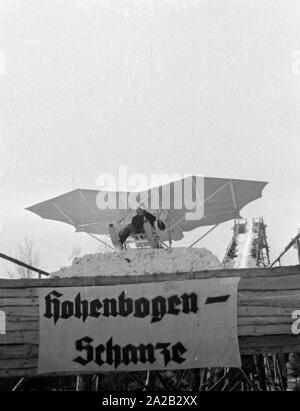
column 27, row 254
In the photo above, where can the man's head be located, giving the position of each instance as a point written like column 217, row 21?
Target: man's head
column 140, row 211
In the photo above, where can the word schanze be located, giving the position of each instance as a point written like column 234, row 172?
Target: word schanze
column 114, row 355
column 156, row 308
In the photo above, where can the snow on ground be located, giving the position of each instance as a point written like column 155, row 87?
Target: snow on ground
column 141, row 261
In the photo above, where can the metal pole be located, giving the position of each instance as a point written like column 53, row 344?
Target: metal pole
column 22, row 264
column 290, row 245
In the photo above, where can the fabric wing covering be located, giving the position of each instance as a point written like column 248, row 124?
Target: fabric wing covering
column 183, row 205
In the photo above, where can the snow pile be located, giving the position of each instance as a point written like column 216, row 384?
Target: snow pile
column 141, row 262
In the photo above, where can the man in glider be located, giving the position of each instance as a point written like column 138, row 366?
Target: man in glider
column 137, row 224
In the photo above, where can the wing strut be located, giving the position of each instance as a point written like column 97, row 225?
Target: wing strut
column 204, row 235
column 203, row 202
column 63, row 213
column 66, row 215
column 101, row 241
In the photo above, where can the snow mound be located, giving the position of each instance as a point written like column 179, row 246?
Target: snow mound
column 141, row 262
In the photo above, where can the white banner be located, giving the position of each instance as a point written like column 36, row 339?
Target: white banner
column 150, row 326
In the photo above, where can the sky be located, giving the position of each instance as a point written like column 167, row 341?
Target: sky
column 191, row 87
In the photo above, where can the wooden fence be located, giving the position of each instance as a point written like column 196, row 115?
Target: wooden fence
column 267, row 299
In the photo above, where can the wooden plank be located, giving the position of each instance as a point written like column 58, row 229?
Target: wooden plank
column 18, row 292
column 243, row 293
column 19, row 363
column 273, row 294
column 20, row 319
column 271, row 344
column 283, row 302
column 27, row 372
column 19, row 337
column 279, row 282
column 256, row 330
column 271, row 341
column 273, row 282
column 4, row 302
column 248, row 273
column 263, row 311
column 22, row 326
column 19, row 351
column 21, row 311
column 270, row 320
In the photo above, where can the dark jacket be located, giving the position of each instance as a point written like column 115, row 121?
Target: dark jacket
column 139, row 220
